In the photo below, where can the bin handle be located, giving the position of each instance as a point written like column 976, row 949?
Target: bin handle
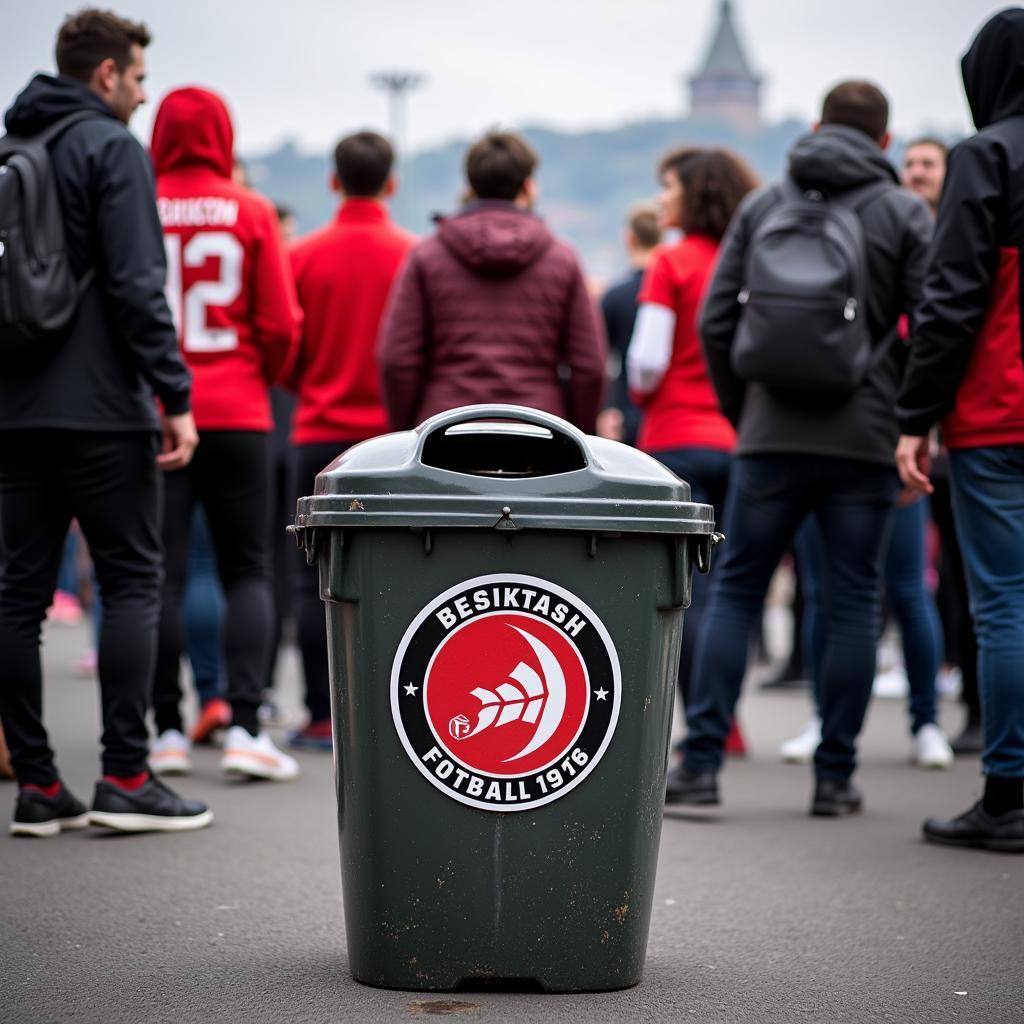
column 516, row 413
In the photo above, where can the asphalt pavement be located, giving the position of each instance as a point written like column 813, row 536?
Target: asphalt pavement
column 761, row 913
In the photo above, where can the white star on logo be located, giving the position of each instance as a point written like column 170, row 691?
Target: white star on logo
column 601, row 694
column 410, row 689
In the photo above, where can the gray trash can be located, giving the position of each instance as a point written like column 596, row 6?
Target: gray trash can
column 504, row 602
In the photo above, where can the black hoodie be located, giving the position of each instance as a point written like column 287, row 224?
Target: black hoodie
column 897, row 227
column 122, row 347
column 966, row 362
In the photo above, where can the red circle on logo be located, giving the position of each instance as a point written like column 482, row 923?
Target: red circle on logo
column 506, row 694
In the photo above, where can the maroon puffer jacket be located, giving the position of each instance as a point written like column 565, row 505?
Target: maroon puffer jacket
column 487, row 310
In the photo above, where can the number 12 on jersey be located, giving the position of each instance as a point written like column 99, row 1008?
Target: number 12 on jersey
column 189, row 306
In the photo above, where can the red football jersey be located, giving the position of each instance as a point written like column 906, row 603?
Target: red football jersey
column 229, row 284
column 683, row 412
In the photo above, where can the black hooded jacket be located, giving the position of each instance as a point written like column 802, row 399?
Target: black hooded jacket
column 122, row 346
column 897, row 228
column 965, row 364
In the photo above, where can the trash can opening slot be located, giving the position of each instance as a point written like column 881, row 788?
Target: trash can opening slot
column 502, row 449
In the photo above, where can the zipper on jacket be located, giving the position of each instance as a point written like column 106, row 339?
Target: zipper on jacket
column 849, row 307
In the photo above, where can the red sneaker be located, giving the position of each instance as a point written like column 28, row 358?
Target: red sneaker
column 66, row 609
column 315, row 736
column 216, row 714
column 735, row 744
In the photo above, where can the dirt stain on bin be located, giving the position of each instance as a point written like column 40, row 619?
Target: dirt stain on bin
column 441, row 1007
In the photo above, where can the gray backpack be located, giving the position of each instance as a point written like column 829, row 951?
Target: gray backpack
column 804, row 330
column 38, row 290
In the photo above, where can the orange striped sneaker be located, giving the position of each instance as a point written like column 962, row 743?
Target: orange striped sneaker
column 256, row 757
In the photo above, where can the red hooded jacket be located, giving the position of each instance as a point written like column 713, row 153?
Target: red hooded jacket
column 489, row 310
column 228, row 280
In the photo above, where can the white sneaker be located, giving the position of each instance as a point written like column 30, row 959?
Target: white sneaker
column 931, row 749
column 950, row 681
column 800, row 749
column 891, row 684
column 257, row 757
column 169, row 754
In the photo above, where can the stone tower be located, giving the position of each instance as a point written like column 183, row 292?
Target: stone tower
column 725, row 88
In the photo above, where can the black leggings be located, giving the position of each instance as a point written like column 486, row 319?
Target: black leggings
column 310, row 618
column 230, row 477
column 109, row 482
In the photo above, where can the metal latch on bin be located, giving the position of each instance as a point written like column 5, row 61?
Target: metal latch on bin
column 506, row 522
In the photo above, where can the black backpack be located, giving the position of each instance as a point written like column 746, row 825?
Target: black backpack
column 804, row 329
column 38, row 290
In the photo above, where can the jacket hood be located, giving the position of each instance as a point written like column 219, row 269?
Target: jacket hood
column 993, row 69
column 46, row 99
column 193, row 128
column 836, row 158
column 495, row 238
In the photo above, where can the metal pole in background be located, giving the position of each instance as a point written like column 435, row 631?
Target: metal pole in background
column 398, row 85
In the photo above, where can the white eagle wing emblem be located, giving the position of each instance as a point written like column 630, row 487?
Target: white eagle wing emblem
column 536, row 697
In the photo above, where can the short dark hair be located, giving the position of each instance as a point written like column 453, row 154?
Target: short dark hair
column 928, row 140
column 91, row 36
column 857, row 104
column 643, row 224
column 714, row 183
column 498, row 165
column 363, row 162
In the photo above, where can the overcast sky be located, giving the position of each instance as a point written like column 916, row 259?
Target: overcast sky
column 300, row 70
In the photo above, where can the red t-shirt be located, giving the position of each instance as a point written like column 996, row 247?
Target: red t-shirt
column 683, row 412
column 344, row 274
column 228, row 281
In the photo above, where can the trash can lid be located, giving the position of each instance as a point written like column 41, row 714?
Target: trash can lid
column 505, row 467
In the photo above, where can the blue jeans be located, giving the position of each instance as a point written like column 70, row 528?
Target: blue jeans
column 203, row 612
column 908, row 597
column 706, row 470
column 988, row 499
column 67, row 578
column 769, row 497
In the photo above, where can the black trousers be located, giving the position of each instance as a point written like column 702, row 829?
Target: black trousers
column 109, row 482
column 230, row 476
column 281, row 546
column 310, row 618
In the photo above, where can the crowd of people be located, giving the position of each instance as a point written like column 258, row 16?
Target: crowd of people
column 787, row 349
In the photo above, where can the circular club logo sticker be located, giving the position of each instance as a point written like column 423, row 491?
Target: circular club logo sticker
column 505, row 692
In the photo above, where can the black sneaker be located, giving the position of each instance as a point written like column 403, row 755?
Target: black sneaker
column 694, row 788
column 833, row 798
column 978, row 828
column 36, row 814
column 153, row 807
column 971, row 739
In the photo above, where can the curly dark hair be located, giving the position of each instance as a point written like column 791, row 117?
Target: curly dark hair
column 714, row 182
column 88, row 38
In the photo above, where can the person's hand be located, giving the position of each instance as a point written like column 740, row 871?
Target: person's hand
column 610, row 424
column 914, row 462
column 179, row 443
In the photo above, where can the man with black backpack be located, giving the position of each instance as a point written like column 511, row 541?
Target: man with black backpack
column 799, row 329
column 86, row 341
